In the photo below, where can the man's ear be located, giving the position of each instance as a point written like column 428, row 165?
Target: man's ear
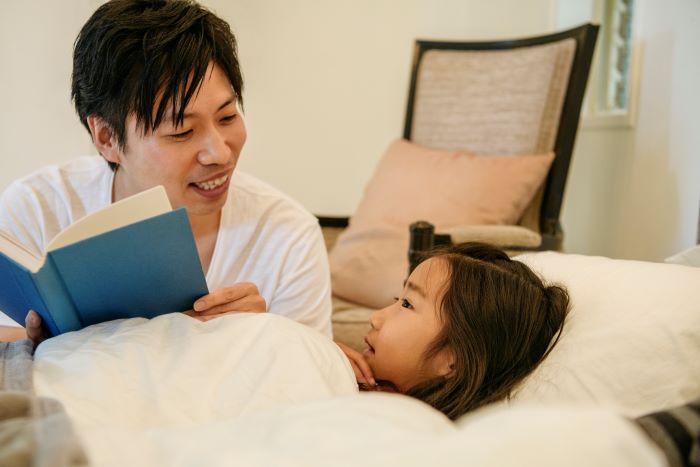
column 104, row 139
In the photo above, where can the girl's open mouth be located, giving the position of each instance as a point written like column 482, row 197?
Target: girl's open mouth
column 370, row 349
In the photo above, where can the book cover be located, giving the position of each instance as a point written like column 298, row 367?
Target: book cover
column 134, row 258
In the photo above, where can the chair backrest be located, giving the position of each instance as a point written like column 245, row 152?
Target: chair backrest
column 507, row 97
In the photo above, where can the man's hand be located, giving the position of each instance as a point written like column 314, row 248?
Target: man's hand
column 239, row 297
column 363, row 372
column 32, row 324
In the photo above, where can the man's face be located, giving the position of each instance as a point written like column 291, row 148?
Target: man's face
column 194, row 161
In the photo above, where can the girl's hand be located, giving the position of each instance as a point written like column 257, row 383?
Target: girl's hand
column 239, row 297
column 363, row 372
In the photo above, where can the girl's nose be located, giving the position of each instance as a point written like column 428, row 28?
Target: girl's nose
column 377, row 318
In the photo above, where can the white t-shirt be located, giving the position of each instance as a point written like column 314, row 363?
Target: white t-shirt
column 264, row 237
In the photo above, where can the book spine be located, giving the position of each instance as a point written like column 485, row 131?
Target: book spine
column 57, row 298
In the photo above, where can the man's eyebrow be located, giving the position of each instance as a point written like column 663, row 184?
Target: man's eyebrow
column 411, row 286
column 229, row 101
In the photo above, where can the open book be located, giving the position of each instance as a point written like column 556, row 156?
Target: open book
column 134, row 258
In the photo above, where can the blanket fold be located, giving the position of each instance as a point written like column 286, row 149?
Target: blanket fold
column 33, row 430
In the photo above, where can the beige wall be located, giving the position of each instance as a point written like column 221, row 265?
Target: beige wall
column 635, row 192
column 327, row 81
column 37, row 123
column 326, row 85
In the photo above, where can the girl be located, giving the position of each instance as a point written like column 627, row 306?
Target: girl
column 470, row 326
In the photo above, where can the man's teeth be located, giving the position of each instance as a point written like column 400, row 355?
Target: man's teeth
column 211, row 184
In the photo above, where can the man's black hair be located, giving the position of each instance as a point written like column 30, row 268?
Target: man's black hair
column 130, row 51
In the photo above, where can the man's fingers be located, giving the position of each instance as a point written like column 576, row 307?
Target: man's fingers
column 204, row 318
column 32, row 320
column 232, row 294
column 254, row 303
column 32, row 325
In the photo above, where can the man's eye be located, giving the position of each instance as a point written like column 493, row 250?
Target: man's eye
column 182, row 135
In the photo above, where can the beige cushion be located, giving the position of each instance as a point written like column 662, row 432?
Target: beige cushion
column 499, row 235
column 368, row 266
column 350, row 323
column 447, row 188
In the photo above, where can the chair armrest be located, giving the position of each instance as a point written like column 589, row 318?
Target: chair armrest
column 329, row 221
column 332, row 227
column 511, row 237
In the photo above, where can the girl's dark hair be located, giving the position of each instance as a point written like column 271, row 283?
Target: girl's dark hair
column 131, row 51
column 500, row 321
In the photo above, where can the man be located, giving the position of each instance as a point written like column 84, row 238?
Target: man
column 158, row 86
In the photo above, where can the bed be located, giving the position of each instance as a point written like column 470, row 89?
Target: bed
column 262, row 390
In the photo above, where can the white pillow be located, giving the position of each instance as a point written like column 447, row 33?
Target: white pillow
column 689, row 257
column 632, row 340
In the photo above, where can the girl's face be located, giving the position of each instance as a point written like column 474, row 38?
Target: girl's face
column 401, row 333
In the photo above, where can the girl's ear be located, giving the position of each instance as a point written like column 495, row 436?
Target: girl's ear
column 104, row 139
column 444, row 362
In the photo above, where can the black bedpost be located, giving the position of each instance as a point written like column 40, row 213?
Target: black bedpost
column 422, row 239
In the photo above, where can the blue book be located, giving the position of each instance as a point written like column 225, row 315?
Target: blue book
column 134, row 258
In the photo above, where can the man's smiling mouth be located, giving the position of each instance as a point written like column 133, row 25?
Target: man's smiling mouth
column 211, row 184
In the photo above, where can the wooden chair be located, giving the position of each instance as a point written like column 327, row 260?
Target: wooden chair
column 472, row 95
column 520, row 96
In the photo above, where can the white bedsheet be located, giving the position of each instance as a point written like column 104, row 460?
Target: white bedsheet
column 374, row 429
column 260, row 390
column 179, row 373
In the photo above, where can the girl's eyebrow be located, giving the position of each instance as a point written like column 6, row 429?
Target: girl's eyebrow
column 411, row 286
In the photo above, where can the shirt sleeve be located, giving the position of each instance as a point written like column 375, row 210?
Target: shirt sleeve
column 22, row 217
column 304, row 290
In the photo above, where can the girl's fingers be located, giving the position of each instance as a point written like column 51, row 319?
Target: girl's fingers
column 358, row 373
column 359, row 364
column 365, row 370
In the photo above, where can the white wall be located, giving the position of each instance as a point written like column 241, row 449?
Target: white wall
column 635, row 192
column 327, row 81
column 37, row 123
column 326, row 85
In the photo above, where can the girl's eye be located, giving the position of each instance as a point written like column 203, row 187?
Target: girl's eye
column 228, row 118
column 404, row 303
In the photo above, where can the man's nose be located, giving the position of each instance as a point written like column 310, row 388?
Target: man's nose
column 214, row 149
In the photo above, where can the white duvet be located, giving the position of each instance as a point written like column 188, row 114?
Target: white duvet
column 260, row 390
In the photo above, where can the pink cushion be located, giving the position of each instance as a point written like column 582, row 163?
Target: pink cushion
column 447, row 188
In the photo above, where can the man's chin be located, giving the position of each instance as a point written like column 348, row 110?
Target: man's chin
column 200, row 210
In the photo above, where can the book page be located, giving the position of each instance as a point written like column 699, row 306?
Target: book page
column 135, row 208
column 14, row 250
